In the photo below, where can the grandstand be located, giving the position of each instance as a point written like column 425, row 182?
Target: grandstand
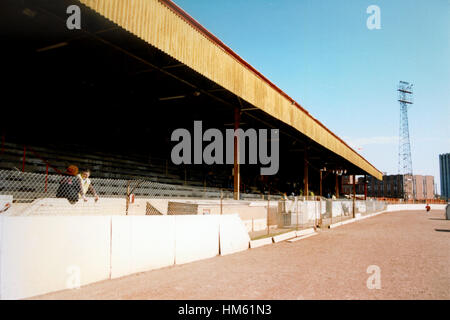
column 109, row 96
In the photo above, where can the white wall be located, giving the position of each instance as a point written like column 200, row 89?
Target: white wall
column 233, row 235
column 196, row 238
column 141, row 243
column 401, row 207
column 42, row 254
column 36, row 252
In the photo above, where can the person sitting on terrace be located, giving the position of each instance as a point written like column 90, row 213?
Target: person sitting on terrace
column 86, row 185
column 69, row 186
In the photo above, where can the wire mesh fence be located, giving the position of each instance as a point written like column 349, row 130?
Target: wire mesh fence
column 301, row 212
column 34, row 194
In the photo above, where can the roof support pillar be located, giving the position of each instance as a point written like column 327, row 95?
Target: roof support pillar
column 320, row 183
column 354, row 194
column 305, row 173
column 236, row 170
column 365, row 187
column 337, row 186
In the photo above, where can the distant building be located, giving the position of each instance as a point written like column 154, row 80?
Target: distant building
column 394, row 186
column 424, row 187
column 444, row 168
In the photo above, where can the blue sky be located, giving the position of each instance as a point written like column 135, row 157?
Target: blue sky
column 322, row 54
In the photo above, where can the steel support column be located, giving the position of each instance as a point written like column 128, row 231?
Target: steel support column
column 354, row 194
column 365, row 187
column 305, row 174
column 237, row 174
column 337, row 186
column 320, row 186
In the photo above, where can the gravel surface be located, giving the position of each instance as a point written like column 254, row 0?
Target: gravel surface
column 412, row 250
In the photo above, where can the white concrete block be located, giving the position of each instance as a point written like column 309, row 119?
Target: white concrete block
column 121, row 264
column 45, row 254
column 260, row 242
column 348, row 221
column 304, row 232
column 284, row 236
column 142, row 243
column 152, row 242
column 233, row 235
column 196, row 238
column 334, row 225
column 302, row 237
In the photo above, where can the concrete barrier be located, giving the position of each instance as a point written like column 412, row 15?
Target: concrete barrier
column 284, row 236
column 141, row 243
column 196, row 238
column 44, row 254
column 402, row 207
column 334, row 225
column 260, row 242
column 302, row 237
column 233, row 235
column 304, row 232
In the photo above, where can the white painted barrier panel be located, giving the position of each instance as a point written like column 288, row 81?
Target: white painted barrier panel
column 284, row 236
column 141, row 243
column 121, row 246
column 260, row 242
column 302, row 237
column 233, row 235
column 304, row 232
column 334, row 225
column 152, row 242
column 401, row 207
column 196, row 238
column 45, row 254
